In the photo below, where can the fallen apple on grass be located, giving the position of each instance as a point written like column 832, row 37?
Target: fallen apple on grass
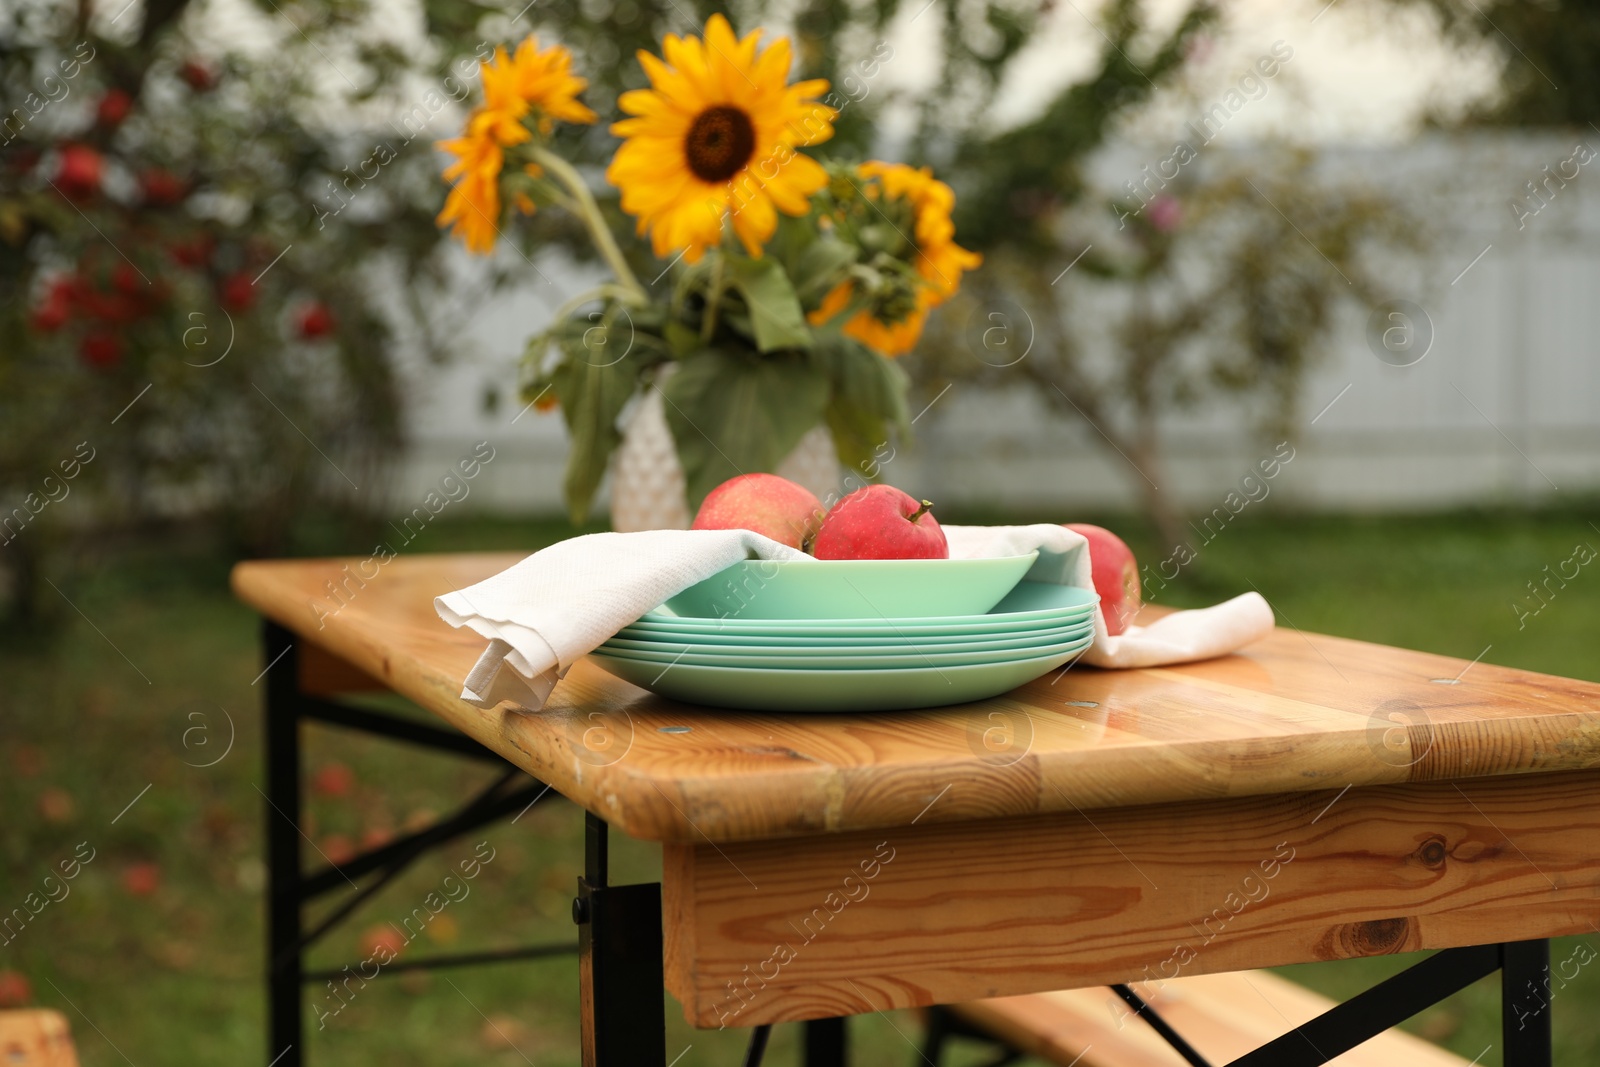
column 880, row 522
column 765, row 503
column 1116, row 575
column 15, row 990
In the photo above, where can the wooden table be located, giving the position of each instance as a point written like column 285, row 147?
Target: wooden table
column 1312, row 798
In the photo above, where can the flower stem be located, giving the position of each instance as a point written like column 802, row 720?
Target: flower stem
column 708, row 323
column 604, row 242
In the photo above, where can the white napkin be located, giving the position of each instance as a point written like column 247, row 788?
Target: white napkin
column 544, row 614
column 1181, row 637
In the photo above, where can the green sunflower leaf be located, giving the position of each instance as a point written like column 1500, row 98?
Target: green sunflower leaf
column 775, row 311
column 820, row 267
column 735, row 413
column 593, row 394
column 867, row 400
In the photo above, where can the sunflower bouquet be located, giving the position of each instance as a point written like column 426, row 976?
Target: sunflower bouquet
column 794, row 281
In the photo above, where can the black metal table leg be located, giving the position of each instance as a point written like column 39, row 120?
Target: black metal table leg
column 1525, row 1022
column 285, row 1026
column 825, row 1043
column 622, row 1014
column 757, row 1050
column 289, row 890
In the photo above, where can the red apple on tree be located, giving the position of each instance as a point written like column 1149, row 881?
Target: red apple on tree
column 1116, row 575
column 880, row 522
column 765, row 503
column 101, row 350
column 237, row 292
column 125, row 279
column 113, row 107
column 198, row 75
column 194, row 251
column 51, row 313
column 78, row 174
column 314, row 321
column 161, row 187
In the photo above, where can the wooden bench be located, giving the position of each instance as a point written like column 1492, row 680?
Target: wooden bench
column 36, row 1037
column 1223, row 1016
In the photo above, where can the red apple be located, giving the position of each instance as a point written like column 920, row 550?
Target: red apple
column 314, row 321
column 238, row 292
column 334, row 780
column 78, row 175
column 15, row 991
column 55, row 805
column 1116, row 575
column 765, row 503
column 880, row 522
column 383, row 940
column 192, row 251
column 113, row 107
column 161, row 187
column 338, row 849
column 141, row 879
column 51, row 313
column 101, row 350
column 125, row 279
column 198, row 75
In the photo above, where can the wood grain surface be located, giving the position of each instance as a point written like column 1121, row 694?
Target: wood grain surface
column 941, row 913
column 1294, row 713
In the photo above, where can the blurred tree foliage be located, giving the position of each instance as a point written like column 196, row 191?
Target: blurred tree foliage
column 1546, row 50
column 208, row 255
column 1221, row 286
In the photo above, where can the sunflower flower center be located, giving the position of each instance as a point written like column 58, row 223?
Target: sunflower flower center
column 719, row 143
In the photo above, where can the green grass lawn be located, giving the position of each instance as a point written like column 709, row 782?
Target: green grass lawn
column 156, row 953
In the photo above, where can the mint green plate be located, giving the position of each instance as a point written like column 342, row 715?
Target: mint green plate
column 846, row 632
column 811, row 660
column 832, row 589
column 759, row 689
column 1029, row 605
column 731, row 644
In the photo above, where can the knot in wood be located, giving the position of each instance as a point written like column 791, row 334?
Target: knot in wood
column 1375, row 937
column 1433, row 852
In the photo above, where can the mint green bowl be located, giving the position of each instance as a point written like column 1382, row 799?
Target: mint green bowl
column 853, row 588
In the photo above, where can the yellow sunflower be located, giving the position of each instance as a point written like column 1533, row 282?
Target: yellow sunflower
column 472, row 210
column 530, row 80
column 939, row 261
column 529, row 83
column 715, row 135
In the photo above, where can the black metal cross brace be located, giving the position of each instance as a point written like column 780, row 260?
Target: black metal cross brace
column 289, row 890
column 1524, row 968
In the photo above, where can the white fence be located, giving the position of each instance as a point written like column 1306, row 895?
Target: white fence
column 1505, row 407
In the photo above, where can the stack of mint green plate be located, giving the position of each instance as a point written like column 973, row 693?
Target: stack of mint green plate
column 873, row 663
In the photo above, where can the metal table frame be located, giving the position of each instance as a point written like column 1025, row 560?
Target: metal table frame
column 619, row 947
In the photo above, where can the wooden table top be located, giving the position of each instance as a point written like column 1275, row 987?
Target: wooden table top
column 1295, row 712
